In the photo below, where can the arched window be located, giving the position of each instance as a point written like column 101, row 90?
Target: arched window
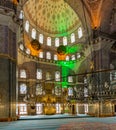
column 39, row 89
column 55, row 57
column 48, row 55
column 23, row 89
column 70, row 91
column 67, row 58
column 85, row 80
column 58, row 108
column 41, row 54
column 41, row 38
column 57, row 76
column 21, row 47
column 72, row 38
column 57, row 90
column 28, row 51
column 80, row 34
column 48, row 76
column 21, row 15
column 78, row 55
column 49, row 41
column 27, row 26
column 56, row 42
column 64, row 41
column 33, row 34
column 23, row 73
column 39, row 108
column 70, row 79
column 85, row 92
column 22, row 109
column 73, row 57
column 39, row 74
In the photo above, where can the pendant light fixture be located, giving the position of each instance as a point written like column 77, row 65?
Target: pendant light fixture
column 61, row 50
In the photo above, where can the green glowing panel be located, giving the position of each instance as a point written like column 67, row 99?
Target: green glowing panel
column 66, row 65
column 73, row 65
column 74, row 48
column 64, row 84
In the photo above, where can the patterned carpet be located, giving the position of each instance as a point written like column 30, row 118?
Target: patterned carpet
column 88, row 126
column 90, row 123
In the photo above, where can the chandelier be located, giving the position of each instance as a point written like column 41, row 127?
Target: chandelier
column 61, row 50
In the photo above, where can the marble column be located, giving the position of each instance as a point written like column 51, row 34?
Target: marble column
column 8, row 60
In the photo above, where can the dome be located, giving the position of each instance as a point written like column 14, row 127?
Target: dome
column 53, row 17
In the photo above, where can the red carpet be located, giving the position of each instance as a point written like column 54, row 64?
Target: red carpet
column 88, row 126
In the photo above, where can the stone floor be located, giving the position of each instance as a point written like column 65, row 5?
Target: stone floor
column 83, row 123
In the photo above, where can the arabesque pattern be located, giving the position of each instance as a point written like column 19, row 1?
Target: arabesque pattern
column 51, row 16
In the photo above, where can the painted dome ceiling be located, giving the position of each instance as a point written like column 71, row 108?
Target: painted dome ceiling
column 53, row 17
